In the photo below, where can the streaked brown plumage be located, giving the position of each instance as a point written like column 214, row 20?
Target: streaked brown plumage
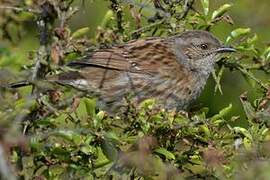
column 172, row 70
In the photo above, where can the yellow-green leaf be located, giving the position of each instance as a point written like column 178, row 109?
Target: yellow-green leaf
column 205, row 130
column 205, row 5
column 90, row 105
column 165, row 153
column 243, row 131
column 237, row 33
column 220, row 11
column 101, row 160
column 68, row 135
column 266, row 53
column 108, row 16
column 222, row 113
column 80, row 32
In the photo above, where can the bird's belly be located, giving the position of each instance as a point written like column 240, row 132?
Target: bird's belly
column 174, row 93
column 169, row 93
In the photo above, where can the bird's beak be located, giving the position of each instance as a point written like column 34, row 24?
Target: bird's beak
column 225, row 49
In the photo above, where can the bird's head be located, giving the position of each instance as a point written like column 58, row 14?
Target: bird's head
column 199, row 49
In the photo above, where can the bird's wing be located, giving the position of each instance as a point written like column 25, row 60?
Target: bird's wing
column 135, row 65
column 138, row 56
column 105, row 58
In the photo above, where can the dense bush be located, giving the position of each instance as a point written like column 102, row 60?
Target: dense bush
column 54, row 132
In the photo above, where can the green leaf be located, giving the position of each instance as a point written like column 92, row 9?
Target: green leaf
column 80, row 32
column 109, row 149
column 102, row 160
column 168, row 155
column 266, row 53
column 220, row 11
column 108, row 16
column 60, row 120
column 25, row 16
column 237, row 33
column 147, row 104
column 247, row 143
column 205, row 130
column 100, row 115
column 201, row 114
column 56, row 170
column 68, row 135
column 90, row 105
column 205, row 5
column 35, row 143
column 87, row 149
column 222, row 113
column 111, row 136
column 243, row 131
column 81, row 111
column 252, row 40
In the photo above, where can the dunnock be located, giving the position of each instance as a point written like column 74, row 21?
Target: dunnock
column 172, row 70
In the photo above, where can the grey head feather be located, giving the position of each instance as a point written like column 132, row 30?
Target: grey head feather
column 188, row 49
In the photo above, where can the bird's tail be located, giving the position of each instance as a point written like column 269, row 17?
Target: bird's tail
column 24, row 83
column 70, row 78
column 18, row 84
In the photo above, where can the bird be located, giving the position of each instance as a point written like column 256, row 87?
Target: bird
column 171, row 70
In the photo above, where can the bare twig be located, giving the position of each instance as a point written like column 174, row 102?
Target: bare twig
column 147, row 28
column 245, row 72
column 251, row 76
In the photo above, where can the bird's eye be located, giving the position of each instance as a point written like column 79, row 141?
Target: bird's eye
column 204, row 46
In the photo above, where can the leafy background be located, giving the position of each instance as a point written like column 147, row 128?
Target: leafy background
column 52, row 132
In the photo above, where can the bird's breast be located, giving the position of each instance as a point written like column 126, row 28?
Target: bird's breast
column 180, row 91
